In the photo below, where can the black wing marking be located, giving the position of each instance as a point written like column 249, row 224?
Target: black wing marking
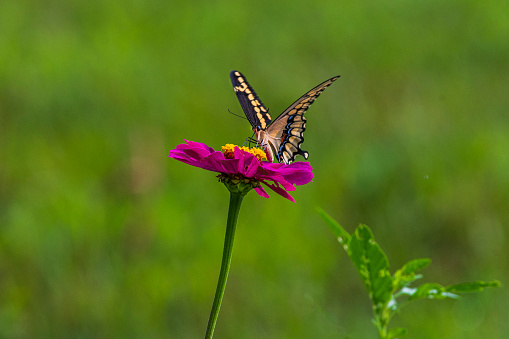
column 253, row 108
column 287, row 131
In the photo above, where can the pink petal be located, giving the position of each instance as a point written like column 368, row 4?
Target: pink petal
column 252, row 167
column 279, row 180
column 194, row 153
column 230, row 166
column 214, row 162
column 274, row 166
column 239, row 156
column 248, row 163
column 261, row 192
column 280, row 191
column 195, row 149
column 298, row 173
column 186, row 159
column 195, row 144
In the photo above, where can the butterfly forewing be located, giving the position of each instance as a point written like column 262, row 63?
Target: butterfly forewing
column 253, row 108
column 288, row 129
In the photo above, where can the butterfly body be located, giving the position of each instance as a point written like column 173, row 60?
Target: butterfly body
column 282, row 137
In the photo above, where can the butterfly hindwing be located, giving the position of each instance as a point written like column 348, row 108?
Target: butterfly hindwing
column 253, row 108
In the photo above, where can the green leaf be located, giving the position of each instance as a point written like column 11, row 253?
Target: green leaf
column 476, row 286
column 340, row 232
column 369, row 259
column 407, row 291
column 415, row 265
column 384, row 289
column 431, row 291
column 406, row 275
column 397, row 332
column 372, row 265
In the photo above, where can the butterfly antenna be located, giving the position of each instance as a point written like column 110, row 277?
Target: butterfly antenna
column 240, row 116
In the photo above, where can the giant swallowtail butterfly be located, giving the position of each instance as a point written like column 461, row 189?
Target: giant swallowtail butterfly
column 281, row 138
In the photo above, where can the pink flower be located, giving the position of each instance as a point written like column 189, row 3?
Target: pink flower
column 245, row 165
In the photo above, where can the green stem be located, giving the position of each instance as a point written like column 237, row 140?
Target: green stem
column 382, row 322
column 231, row 225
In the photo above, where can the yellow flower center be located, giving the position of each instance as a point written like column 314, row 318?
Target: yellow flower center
column 229, row 151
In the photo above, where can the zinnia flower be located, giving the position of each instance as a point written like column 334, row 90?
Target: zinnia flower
column 245, row 166
column 241, row 169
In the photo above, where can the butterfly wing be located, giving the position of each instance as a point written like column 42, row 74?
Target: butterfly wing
column 253, row 108
column 285, row 134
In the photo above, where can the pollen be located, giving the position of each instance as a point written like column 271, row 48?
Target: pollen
column 229, row 151
column 257, row 152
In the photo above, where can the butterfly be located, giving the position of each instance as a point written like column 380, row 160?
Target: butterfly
column 281, row 138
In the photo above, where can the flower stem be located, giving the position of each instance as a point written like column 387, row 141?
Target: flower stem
column 231, row 225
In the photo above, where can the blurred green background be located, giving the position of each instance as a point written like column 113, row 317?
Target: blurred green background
column 103, row 236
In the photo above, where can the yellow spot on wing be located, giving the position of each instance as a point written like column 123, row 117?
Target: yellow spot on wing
column 296, row 132
column 294, row 140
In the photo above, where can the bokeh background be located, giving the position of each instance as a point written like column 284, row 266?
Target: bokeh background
column 103, row 236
